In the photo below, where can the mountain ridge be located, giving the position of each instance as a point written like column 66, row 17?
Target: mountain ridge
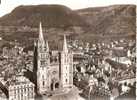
column 86, row 24
column 50, row 15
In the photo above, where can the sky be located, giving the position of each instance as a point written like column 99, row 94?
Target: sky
column 7, row 6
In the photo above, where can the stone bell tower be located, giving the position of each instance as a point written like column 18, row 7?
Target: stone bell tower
column 66, row 66
column 43, row 63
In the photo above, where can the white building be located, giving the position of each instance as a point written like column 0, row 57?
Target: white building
column 21, row 91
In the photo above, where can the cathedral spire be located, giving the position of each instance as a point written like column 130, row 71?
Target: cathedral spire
column 41, row 38
column 65, row 48
column 47, row 46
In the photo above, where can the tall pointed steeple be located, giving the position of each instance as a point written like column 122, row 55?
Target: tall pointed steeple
column 65, row 48
column 41, row 38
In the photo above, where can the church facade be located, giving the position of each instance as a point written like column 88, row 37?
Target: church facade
column 54, row 68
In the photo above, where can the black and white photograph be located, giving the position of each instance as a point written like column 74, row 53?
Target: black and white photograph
column 68, row 49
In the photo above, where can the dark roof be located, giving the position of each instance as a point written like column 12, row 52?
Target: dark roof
column 116, row 65
column 119, row 53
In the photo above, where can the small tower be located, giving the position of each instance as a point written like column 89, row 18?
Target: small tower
column 43, row 63
column 66, row 66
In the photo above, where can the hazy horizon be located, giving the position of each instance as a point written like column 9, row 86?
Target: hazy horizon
column 7, row 6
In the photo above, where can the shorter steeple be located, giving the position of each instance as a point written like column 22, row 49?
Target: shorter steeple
column 47, row 46
column 65, row 48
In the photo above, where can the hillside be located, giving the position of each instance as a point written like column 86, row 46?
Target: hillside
column 49, row 15
column 116, row 20
column 89, row 24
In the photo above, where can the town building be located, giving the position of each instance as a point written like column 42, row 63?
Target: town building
column 21, row 90
column 120, row 55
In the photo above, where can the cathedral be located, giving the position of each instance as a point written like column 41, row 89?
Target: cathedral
column 54, row 68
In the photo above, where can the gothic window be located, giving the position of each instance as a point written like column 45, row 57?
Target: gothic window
column 66, row 80
column 42, row 56
column 42, row 62
column 40, row 48
column 28, row 93
column 43, row 83
column 55, row 59
column 25, row 90
column 32, row 93
column 18, row 92
column 21, row 95
column 47, row 56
